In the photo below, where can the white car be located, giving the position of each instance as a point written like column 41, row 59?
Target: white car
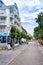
column 23, row 40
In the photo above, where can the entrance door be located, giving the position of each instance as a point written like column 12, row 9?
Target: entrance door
column 4, row 39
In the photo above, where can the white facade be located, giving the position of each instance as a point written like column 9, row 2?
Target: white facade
column 9, row 15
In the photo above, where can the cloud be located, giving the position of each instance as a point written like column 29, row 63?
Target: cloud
column 28, row 10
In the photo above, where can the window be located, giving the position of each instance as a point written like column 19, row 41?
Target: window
column 15, row 16
column 16, row 23
column 11, row 18
column 11, row 10
column 2, row 18
column 2, row 27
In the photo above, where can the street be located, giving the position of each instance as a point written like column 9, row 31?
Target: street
column 30, row 56
column 6, row 56
column 21, row 32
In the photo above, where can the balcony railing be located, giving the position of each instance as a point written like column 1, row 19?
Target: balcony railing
column 3, row 14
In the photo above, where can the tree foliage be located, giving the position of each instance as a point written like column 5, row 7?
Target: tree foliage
column 38, row 31
column 39, row 20
column 15, row 33
column 24, row 30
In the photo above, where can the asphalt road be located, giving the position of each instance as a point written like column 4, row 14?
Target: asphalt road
column 30, row 56
column 6, row 56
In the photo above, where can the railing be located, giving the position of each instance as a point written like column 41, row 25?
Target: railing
column 4, row 15
column 2, row 22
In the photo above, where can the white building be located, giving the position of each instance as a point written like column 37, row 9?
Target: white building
column 9, row 15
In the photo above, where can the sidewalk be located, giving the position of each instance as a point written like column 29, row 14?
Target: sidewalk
column 40, row 47
column 7, row 56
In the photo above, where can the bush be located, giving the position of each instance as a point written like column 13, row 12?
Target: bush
column 42, row 43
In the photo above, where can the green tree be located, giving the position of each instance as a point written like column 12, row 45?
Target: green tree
column 24, row 30
column 13, row 32
column 38, row 31
column 39, row 20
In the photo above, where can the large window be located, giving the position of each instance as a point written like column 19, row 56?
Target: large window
column 2, row 28
column 11, row 10
column 11, row 20
column 2, row 19
column 15, row 16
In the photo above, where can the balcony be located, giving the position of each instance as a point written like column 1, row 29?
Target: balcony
column 2, row 23
column 11, row 15
column 17, row 21
column 15, row 13
column 2, row 28
column 3, row 15
column 2, row 20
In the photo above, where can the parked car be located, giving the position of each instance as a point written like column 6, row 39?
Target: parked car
column 23, row 40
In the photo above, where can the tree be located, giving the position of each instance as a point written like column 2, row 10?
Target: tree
column 15, row 33
column 12, row 35
column 18, row 35
column 39, row 20
column 24, row 30
column 38, row 31
column 12, row 32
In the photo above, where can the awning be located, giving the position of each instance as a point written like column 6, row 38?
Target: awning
column 0, row 35
column 4, row 35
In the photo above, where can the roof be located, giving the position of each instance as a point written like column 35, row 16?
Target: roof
column 2, row 4
column 10, row 7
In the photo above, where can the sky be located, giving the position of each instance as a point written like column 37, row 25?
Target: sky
column 28, row 10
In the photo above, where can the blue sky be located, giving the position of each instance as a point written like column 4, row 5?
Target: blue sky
column 28, row 10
